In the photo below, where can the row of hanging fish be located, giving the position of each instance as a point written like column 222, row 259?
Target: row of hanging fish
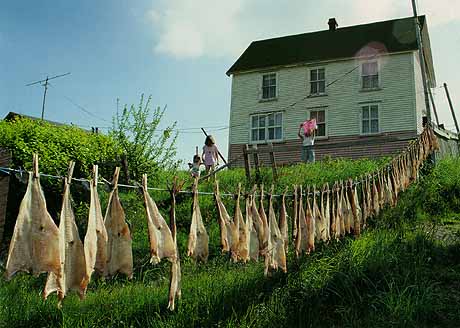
column 328, row 213
column 38, row 245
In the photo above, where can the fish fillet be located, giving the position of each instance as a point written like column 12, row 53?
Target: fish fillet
column 244, row 243
column 347, row 213
column 119, row 245
column 283, row 222
column 242, row 247
column 175, row 284
column 34, row 246
column 325, row 213
column 235, row 228
column 320, row 228
column 355, row 209
column 253, row 236
column 310, row 221
column 301, row 242
column 71, row 249
column 160, row 237
column 263, row 217
column 224, row 222
column 95, row 244
column 198, row 237
column 295, row 215
column 276, row 256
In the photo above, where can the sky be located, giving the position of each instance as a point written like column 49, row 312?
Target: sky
column 177, row 51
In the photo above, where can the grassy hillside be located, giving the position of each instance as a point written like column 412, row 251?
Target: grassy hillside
column 404, row 270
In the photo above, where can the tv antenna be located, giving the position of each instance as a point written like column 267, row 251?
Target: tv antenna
column 45, row 84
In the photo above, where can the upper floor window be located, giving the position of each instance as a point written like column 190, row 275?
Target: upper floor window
column 370, row 75
column 317, row 81
column 370, row 119
column 269, row 86
column 267, row 127
column 320, row 116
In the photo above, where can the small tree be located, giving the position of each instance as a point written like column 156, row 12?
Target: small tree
column 147, row 148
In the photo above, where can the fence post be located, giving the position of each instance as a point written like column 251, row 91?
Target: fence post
column 272, row 159
column 256, row 163
column 247, row 166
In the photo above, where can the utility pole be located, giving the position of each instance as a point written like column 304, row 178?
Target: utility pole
column 434, row 108
column 45, row 84
column 422, row 61
column 451, row 108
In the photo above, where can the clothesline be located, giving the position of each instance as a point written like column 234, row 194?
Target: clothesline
column 8, row 171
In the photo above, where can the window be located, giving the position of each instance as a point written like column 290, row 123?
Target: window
column 269, row 86
column 370, row 75
column 320, row 116
column 370, row 119
column 317, row 81
column 267, row 127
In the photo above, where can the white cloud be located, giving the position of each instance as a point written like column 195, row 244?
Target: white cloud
column 212, row 28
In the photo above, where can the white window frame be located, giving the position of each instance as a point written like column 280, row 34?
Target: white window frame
column 266, row 127
column 326, row 129
column 316, row 81
column 361, row 76
column 361, row 118
column 261, row 86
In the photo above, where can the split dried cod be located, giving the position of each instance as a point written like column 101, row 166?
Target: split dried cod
column 119, row 246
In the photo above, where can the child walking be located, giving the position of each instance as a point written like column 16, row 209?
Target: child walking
column 210, row 154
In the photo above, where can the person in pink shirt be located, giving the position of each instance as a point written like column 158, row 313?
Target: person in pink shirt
column 210, row 154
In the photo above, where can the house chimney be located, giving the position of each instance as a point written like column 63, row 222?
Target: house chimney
column 332, row 24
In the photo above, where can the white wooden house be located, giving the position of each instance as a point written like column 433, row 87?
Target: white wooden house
column 362, row 83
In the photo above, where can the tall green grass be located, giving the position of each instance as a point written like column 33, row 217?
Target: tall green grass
column 399, row 273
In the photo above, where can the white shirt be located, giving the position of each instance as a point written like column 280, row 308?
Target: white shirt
column 308, row 140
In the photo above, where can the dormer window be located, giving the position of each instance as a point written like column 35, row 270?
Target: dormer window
column 317, row 81
column 269, row 86
column 370, row 75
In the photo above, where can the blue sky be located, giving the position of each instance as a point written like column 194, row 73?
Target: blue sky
column 178, row 51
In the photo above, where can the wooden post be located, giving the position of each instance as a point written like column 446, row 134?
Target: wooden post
column 451, row 108
column 124, row 165
column 434, row 107
column 247, row 166
column 256, row 163
column 273, row 161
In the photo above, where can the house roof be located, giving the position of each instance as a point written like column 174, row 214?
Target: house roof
column 12, row 115
column 390, row 36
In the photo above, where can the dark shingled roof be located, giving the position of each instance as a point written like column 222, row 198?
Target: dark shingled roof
column 360, row 40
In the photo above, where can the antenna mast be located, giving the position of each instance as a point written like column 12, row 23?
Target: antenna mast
column 45, row 84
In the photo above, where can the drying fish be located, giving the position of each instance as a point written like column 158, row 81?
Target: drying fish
column 334, row 212
column 375, row 198
column 34, row 246
column 301, row 242
column 318, row 218
column 244, row 230
column 225, row 222
column 283, row 221
column 263, row 217
column 355, row 209
column 235, row 227
column 174, row 286
column 348, row 214
column 343, row 208
column 160, row 237
column 310, row 221
column 198, row 237
column 175, row 276
column 295, row 215
column 276, row 256
column 252, row 235
column 339, row 213
column 71, row 250
column 257, row 223
column 95, row 244
column 325, row 213
column 119, row 245
column 365, row 211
